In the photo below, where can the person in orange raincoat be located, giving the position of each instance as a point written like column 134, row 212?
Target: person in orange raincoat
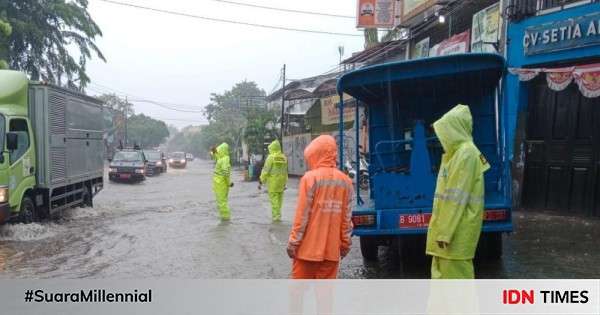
column 322, row 228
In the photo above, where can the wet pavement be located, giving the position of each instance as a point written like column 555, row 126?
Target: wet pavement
column 167, row 227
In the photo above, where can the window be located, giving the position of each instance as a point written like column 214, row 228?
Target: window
column 19, row 126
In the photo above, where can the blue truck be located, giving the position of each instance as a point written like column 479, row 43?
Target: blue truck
column 401, row 101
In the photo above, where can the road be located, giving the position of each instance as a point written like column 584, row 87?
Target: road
column 167, row 227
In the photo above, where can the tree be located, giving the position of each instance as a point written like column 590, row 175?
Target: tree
column 114, row 102
column 146, row 131
column 43, row 33
column 5, row 31
column 228, row 115
column 260, row 126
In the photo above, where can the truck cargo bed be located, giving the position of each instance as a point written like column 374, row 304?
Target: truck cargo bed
column 68, row 130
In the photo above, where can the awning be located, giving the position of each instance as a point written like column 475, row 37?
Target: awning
column 587, row 77
column 372, row 84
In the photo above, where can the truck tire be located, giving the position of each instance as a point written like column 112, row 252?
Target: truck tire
column 369, row 247
column 411, row 249
column 493, row 246
column 86, row 198
column 27, row 214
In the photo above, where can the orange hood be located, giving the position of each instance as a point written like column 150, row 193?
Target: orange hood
column 321, row 152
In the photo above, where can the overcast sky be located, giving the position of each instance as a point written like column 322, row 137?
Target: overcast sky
column 182, row 60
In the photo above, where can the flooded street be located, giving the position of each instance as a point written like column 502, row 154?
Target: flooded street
column 167, row 227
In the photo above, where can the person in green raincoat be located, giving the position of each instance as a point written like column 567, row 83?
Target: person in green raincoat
column 221, row 180
column 458, row 204
column 275, row 175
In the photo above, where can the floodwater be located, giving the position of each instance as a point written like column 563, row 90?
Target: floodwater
column 167, row 227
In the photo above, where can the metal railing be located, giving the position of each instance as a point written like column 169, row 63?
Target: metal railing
column 520, row 9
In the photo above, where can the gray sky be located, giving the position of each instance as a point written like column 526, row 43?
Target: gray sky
column 182, row 60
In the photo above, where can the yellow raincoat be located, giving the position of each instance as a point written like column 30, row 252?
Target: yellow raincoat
column 459, row 198
column 275, row 175
column 221, row 180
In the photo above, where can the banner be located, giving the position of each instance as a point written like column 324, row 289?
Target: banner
column 457, row 44
column 330, row 112
column 376, row 14
column 485, row 29
column 332, row 297
column 587, row 77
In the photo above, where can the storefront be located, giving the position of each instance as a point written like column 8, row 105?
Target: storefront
column 552, row 94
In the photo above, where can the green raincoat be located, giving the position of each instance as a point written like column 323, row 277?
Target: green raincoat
column 221, row 180
column 459, row 197
column 275, row 175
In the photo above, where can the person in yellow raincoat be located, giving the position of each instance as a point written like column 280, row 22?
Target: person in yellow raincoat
column 275, row 175
column 221, row 180
column 457, row 217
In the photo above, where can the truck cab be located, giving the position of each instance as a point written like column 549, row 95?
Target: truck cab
column 51, row 148
column 402, row 100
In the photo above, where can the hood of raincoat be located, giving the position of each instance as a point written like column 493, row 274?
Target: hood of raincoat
column 454, row 128
column 274, row 147
column 222, row 150
column 321, row 152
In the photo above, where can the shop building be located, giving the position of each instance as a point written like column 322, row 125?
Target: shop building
column 552, row 94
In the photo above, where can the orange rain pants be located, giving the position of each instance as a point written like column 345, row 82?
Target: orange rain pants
column 304, row 269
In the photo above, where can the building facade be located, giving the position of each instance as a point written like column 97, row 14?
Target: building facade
column 551, row 93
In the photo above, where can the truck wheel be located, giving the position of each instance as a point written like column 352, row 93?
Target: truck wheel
column 411, row 249
column 369, row 247
column 27, row 214
column 86, row 198
column 493, row 246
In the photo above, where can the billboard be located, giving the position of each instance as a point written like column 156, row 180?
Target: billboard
column 330, row 112
column 376, row 13
column 410, row 8
column 485, row 29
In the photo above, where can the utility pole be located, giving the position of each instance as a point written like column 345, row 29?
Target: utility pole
column 282, row 103
column 126, row 112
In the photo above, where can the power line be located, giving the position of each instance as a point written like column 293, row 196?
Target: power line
column 252, row 5
column 282, row 28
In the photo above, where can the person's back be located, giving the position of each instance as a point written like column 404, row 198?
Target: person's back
column 221, row 179
column 321, row 233
column 275, row 175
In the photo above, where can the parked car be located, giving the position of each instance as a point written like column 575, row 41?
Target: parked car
column 128, row 165
column 178, row 160
column 157, row 163
column 189, row 157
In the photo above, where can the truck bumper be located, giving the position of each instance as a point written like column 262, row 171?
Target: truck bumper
column 5, row 213
column 387, row 223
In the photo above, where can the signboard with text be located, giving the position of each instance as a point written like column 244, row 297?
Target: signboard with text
column 485, row 29
column 330, row 112
column 411, row 8
column 457, row 44
column 561, row 35
column 376, row 13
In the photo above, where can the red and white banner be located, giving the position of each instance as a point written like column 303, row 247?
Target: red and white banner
column 376, row 14
column 457, row 44
column 587, row 77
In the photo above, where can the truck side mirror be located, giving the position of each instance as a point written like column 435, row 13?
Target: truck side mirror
column 12, row 141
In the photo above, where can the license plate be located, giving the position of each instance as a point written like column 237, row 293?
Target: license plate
column 125, row 176
column 417, row 220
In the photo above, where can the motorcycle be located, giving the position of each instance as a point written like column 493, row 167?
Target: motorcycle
column 350, row 168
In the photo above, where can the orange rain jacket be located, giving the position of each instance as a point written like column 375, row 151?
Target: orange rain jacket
column 322, row 225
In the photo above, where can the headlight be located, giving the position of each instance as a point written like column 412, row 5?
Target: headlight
column 182, row 161
column 170, row 160
column 139, row 170
column 112, row 170
column 159, row 163
column 3, row 194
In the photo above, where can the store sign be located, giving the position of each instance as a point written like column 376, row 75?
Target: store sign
column 561, row 35
column 457, row 44
column 376, row 13
column 330, row 111
column 485, row 29
column 421, row 49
